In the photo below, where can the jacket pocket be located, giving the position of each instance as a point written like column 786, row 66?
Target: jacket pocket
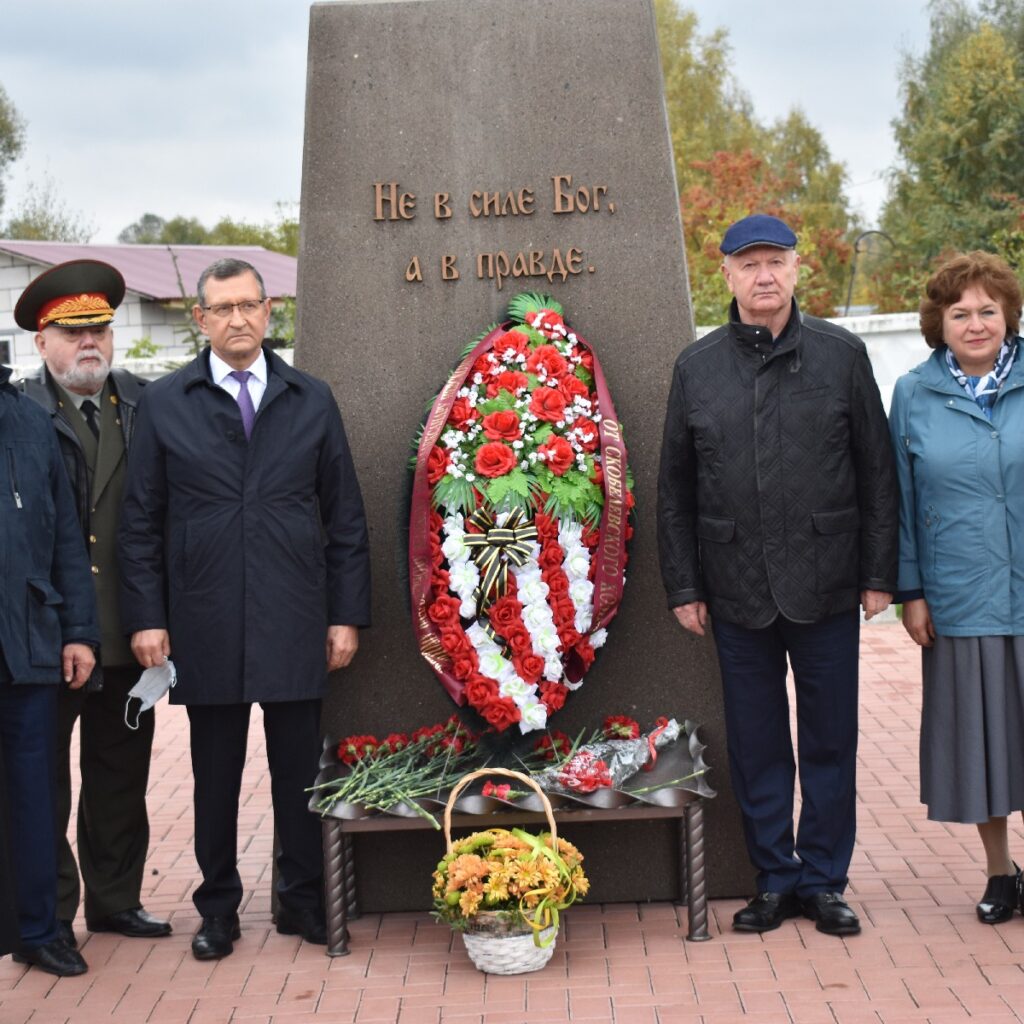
column 718, row 557
column 836, row 549
column 43, row 623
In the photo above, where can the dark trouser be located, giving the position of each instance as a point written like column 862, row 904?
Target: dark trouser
column 824, row 656
column 219, row 733
column 27, row 731
column 113, row 827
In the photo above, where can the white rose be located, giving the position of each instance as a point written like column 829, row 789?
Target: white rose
column 582, row 592
column 532, row 715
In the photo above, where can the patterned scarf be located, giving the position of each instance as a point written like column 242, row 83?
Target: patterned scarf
column 984, row 389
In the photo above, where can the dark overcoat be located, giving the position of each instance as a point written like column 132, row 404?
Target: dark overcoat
column 243, row 550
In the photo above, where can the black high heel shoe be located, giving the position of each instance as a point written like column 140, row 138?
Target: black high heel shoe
column 1002, row 897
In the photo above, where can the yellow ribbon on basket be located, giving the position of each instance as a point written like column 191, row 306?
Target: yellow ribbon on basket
column 495, row 547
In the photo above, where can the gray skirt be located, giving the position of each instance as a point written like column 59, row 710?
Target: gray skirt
column 972, row 728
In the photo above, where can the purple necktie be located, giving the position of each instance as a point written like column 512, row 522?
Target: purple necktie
column 245, row 401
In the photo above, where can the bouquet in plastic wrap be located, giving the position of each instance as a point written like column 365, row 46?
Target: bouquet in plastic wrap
column 611, row 761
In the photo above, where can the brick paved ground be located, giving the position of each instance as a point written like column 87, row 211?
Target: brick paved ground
column 922, row 956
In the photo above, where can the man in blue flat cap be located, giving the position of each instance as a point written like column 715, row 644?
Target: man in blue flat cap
column 777, row 519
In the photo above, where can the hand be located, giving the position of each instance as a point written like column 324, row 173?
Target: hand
column 78, row 661
column 874, row 602
column 342, row 644
column 692, row 616
column 151, row 647
column 917, row 621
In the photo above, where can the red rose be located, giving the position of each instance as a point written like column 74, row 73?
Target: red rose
column 454, row 640
column 585, row 651
column 505, row 613
column 436, row 522
column 586, row 358
column 500, row 713
column 514, row 342
column 444, row 610
column 548, row 404
column 485, row 364
column 553, row 694
column 558, row 585
column 502, row 426
column 462, row 414
column 547, row 528
column 548, row 322
column 495, row 459
column 530, row 667
column 584, row 426
column 480, row 690
column 591, row 538
column 437, row 464
column 511, row 381
column 546, row 361
column 464, row 664
column 519, row 641
column 440, row 581
column 551, row 557
column 572, row 387
column 558, row 455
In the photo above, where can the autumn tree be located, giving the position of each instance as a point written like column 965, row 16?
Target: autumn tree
column 12, row 137
column 43, row 216
column 960, row 180
column 729, row 164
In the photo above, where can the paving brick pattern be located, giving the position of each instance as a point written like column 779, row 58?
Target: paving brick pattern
column 922, row 957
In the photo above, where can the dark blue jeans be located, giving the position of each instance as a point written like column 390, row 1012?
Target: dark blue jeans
column 824, row 656
column 28, row 735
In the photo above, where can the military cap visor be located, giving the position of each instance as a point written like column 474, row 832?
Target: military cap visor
column 78, row 293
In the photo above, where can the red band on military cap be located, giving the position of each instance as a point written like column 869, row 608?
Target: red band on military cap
column 76, row 310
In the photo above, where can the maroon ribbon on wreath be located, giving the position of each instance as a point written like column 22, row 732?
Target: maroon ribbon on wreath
column 611, row 550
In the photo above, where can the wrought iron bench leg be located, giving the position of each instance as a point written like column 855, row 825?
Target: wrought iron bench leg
column 337, row 897
column 696, row 883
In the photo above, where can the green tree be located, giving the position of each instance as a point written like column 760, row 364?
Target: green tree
column 960, row 180
column 147, row 230
column 44, row 216
column 12, row 137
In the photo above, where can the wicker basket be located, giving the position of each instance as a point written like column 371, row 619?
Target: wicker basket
column 494, row 944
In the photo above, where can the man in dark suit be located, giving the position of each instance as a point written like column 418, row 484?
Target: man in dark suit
column 244, row 557
column 777, row 514
column 47, row 633
column 92, row 408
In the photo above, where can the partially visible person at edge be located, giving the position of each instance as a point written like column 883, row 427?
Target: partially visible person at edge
column 957, row 424
column 48, row 632
column 71, row 308
column 245, row 559
column 777, row 516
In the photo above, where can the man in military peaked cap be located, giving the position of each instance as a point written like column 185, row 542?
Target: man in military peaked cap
column 70, row 308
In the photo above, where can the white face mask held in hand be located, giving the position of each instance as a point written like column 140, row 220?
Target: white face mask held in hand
column 152, row 685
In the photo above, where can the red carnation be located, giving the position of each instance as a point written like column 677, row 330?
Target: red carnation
column 437, row 464
column 502, row 426
column 495, row 459
column 355, row 748
column 548, row 359
column 558, row 456
column 548, row 404
column 621, row 727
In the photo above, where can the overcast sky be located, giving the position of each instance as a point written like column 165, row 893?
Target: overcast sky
column 195, row 107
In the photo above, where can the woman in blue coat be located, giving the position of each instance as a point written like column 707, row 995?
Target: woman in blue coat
column 957, row 425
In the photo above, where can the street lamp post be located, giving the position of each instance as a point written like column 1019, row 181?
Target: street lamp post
column 853, row 266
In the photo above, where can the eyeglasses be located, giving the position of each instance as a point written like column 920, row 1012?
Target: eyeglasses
column 250, row 307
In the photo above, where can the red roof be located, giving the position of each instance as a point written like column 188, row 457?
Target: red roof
column 150, row 270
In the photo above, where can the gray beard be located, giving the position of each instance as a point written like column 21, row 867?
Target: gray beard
column 85, row 379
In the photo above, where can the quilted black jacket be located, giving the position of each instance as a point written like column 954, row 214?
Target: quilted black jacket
column 777, row 490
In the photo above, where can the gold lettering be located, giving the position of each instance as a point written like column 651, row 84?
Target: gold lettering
column 442, row 206
column 400, row 206
column 563, row 199
column 519, row 266
column 413, row 272
column 449, row 272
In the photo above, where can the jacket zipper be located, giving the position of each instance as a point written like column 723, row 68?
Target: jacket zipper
column 14, row 478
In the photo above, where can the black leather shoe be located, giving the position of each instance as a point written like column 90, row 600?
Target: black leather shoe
column 66, row 934
column 766, row 911
column 213, row 940
column 55, row 957
column 310, row 924
column 135, row 923
column 1002, row 895
column 831, row 913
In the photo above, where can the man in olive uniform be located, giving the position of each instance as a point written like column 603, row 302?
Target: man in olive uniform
column 70, row 307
